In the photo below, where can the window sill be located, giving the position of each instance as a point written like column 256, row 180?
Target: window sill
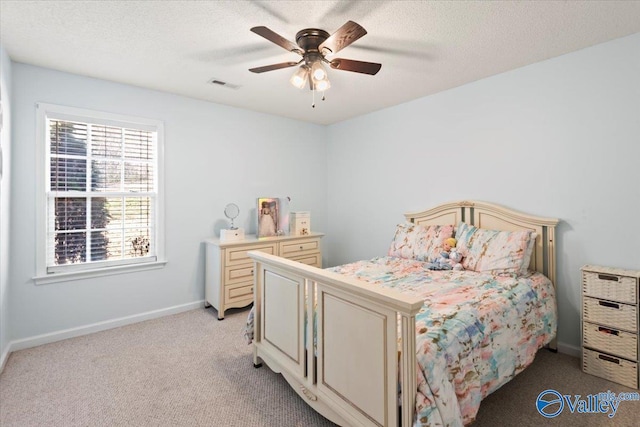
column 99, row 272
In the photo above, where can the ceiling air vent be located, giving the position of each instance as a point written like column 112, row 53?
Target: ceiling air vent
column 220, row 83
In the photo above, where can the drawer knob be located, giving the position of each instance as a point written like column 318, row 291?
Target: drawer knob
column 300, row 247
column 251, row 271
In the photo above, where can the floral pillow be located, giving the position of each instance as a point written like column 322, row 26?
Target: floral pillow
column 499, row 252
column 418, row 242
column 527, row 255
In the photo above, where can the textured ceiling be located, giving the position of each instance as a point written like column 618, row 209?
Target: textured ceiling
column 424, row 46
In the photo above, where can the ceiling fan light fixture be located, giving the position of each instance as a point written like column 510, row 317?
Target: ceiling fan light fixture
column 322, row 85
column 317, row 71
column 314, row 44
column 299, row 79
column 319, row 77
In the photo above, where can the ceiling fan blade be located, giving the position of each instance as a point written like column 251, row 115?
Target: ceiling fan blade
column 277, row 39
column 343, row 37
column 355, row 66
column 274, row 67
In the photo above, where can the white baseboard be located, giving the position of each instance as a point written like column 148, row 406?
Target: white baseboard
column 569, row 349
column 96, row 327
column 4, row 356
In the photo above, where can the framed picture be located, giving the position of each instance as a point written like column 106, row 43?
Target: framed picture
column 268, row 214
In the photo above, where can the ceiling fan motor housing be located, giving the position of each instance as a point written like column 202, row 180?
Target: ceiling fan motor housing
column 309, row 39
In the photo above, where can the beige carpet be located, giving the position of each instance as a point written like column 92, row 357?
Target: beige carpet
column 192, row 370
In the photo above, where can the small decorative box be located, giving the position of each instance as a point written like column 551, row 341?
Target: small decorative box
column 231, row 235
column 300, row 223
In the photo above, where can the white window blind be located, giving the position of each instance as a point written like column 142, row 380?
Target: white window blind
column 101, row 194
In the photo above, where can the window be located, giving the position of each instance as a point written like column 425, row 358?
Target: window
column 101, row 199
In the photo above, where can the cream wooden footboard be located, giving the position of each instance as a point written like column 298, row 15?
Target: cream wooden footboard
column 353, row 378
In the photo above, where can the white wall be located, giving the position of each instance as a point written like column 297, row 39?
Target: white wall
column 214, row 155
column 5, row 184
column 560, row 138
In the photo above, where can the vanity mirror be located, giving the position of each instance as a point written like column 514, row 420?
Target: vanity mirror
column 234, row 233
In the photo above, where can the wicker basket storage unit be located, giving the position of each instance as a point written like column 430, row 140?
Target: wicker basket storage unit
column 610, row 286
column 610, row 313
column 614, row 369
column 616, row 341
column 610, row 324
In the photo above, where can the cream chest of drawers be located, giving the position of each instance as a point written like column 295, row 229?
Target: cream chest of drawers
column 229, row 270
column 610, row 324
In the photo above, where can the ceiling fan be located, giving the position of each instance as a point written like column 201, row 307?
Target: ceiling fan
column 314, row 45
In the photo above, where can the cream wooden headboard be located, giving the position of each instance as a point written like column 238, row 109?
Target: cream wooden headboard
column 494, row 217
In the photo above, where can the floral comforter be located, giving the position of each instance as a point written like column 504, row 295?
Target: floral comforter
column 475, row 331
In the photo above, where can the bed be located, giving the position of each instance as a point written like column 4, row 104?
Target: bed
column 388, row 342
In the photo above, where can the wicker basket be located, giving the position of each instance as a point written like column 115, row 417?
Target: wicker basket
column 614, row 314
column 612, row 341
column 609, row 367
column 613, row 287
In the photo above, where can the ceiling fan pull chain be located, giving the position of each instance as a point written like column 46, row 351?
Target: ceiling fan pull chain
column 323, row 98
column 313, row 104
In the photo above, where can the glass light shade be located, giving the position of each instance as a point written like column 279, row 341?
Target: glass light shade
column 317, row 71
column 322, row 85
column 299, row 79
